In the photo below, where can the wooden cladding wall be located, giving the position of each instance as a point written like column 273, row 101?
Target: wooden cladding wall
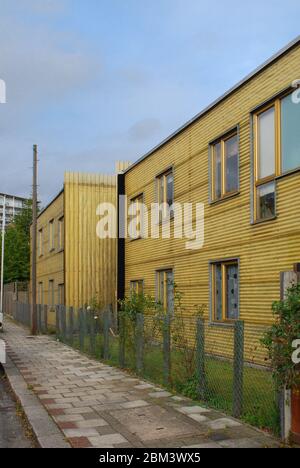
column 90, row 262
column 263, row 250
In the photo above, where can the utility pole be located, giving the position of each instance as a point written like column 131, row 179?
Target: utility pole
column 34, row 244
column 2, row 261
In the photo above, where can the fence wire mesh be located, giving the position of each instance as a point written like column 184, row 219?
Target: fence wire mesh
column 223, row 367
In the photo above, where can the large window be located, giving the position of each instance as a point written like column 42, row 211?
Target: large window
column 136, row 226
column 165, row 191
column 225, row 167
column 40, row 243
column 165, row 289
column 137, row 286
column 51, row 235
column 61, row 233
column 225, row 291
column 61, row 294
column 277, row 151
column 41, row 294
column 51, row 294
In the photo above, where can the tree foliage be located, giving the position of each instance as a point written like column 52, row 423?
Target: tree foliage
column 17, row 246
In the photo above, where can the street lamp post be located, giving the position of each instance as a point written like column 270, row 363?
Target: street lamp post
column 2, row 261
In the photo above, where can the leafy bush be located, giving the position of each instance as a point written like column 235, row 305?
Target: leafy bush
column 279, row 339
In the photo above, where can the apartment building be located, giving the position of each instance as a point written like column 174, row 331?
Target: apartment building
column 240, row 158
column 12, row 205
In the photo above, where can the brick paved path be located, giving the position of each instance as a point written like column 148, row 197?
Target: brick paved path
column 96, row 405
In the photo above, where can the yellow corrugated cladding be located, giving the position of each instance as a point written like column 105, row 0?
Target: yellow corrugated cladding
column 264, row 250
column 90, row 262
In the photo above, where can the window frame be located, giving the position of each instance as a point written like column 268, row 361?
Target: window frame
column 41, row 293
column 140, row 199
column 138, row 283
column 275, row 103
column 61, row 233
column 165, row 272
column 40, row 242
column 61, row 294
column 234, row 132
column 51, row 236
column 224, row 265
column 164, row 175
column 51, row 294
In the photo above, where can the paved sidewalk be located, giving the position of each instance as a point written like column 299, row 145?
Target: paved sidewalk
column 95, row 405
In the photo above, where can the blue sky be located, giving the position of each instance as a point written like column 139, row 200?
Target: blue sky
column 96, row 81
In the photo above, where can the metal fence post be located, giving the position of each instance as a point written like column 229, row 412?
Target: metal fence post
column 39, row 318
column 238, row 369
column 64, row 322
column 81, row 329
column 71, row 326
column 167, row 349
column 106, row 317
column 200, row 359
column 139, row 333
column 57, row 322
column 45, row 319
column 122, row 338
column 92, row 332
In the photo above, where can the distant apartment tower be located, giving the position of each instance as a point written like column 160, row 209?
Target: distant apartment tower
column 12, row 204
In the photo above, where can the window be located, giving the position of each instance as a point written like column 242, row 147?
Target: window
column 225, row 167
column 40, row 243
column 51, row 293
column 276, row 151
column 137, row 286
column 136, row 225
column 61, row 233
column 51, row 235
column 165, row 289
column 225, row 291
column 41, row 294
column 61, row 294
column 165, row 188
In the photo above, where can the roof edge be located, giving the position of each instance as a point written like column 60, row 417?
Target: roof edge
column 218, row 101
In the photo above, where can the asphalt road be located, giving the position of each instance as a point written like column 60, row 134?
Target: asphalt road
column 13, row 432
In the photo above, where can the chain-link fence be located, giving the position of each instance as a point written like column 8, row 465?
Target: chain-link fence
column 218, row 365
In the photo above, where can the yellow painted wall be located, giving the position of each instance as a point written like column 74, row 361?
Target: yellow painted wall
column 264, row 250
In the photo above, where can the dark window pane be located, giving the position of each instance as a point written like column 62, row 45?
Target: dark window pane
column 232, row 169
column 218, row 292
column 232, row 310
column 266, row 200
column 290, row 134
column 218, row 170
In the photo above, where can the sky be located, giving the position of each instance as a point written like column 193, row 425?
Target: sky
column 96, row 81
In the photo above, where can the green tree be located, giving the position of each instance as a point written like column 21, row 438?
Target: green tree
column 17, row 246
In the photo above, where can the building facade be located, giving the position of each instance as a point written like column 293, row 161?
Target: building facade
column 74, row 266
column 239, row 158
column 12, row 205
